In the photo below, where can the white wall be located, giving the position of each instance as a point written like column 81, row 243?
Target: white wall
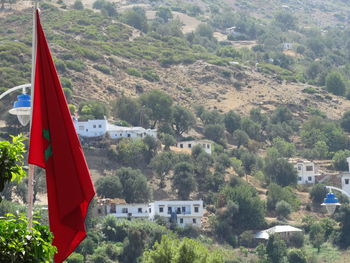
column 306, row 172
column 190, row 144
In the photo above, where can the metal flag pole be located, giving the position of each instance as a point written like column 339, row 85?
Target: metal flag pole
column 31, row 166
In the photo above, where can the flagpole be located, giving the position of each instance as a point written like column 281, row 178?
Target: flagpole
column 31, row 166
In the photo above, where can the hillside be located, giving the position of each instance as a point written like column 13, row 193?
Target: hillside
column 265, row 81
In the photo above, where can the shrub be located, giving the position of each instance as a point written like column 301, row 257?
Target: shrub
column 150, row 76
column 103, row 68
column 78, row 5
column 283, row 209
column 133, row 72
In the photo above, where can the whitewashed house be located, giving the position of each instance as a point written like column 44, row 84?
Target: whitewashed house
column 306, row 171
column 205, row 144
column 287, row 46
column 183, row 212
column 345, row 179
column 128, row 210
column 96, row 128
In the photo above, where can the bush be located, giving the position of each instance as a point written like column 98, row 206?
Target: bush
column 75, row 258
column 78, row 5
column 318, row 193
column 339, row 160
column 134, row 72
column 18, row 244
column 103, row 68
column 150, row 76
column 335, row 83
column 283, row 209
column 297, row 256
column 297, row 239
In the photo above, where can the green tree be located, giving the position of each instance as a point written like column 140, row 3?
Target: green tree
column 285, row 149
column 135, row 187
column 162, row 164
column 283, row 209
column 164, row 13
column 92, row 109
column 343, row 240
column 158, row 104
column 75, row 258
column 183, row 180
column 276, row 249
column 215, row 132
column 335, row 83
column 339, row 160
column 205, row 30
column 78, row 5
column 318, row 193
column 171, row 250
column 131, row 152
column 285, row 20
column 232, row 121
column 182, row 119
column 18, row 244
column 279, row 170
column 317, row 237
column 278, row 193
column 168, row 140
column 345, row 121
column 109, row 187
column 129, row 110
column 252, row 128
column 297, row 256
column 136, row 17
column 243, row 211
column 11, row 161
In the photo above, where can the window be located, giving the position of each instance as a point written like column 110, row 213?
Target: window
column 94, row 126
column 169, row 210
column 181, row 220
column 178, row 210
column 120, row 134
column 99, row 211
column 87, row 129
column 299, row 178
column 100, row 126
column 299, row 167
column 309, row 178
column 189, row 145
column 309, row 168
column 181, row 145
column 139, row 210
column 183, row 209
column 346, row 181
column 208, row 146
column 129, row 135
column 161, row 209
column 196, row 209
column 194, row 221
column 112, row 209
column 124, row 210
column 149, row 210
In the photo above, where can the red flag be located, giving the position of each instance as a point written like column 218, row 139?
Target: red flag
column 54, row 146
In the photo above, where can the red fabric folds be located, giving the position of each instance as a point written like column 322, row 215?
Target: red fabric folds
column 54, row 146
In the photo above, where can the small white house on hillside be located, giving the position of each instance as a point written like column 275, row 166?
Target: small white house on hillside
column 182, row 212
column 96, row 128
column 345, row 179
column 306, row 171
column 206, row 145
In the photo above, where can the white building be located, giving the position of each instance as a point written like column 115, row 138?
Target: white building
column 183, row 212
column 206, row 145
column 128, row 210
column 345, row 179
column 287, row 46
column 96, row 128
column 306, row 172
